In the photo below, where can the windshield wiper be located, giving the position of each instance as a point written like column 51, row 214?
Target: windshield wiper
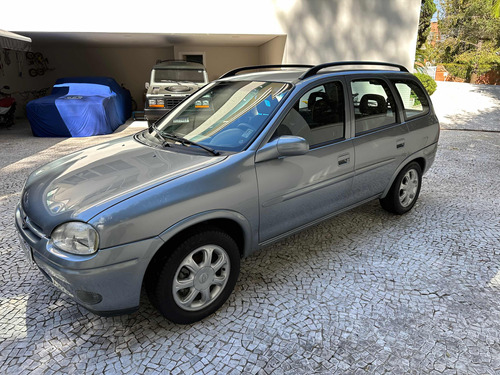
column 183, row 141
column 158, row 134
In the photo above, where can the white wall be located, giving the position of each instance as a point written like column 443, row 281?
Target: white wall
column 272, row 52
column 219, row 60
column 316, row 30
column 320, row 31
column 169, row 17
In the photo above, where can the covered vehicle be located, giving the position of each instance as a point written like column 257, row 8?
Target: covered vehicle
column 80, row 107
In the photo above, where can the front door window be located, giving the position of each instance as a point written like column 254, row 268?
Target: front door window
column 318, row 116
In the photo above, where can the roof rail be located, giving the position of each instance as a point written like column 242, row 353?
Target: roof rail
column 313, row 71
column 233, row 72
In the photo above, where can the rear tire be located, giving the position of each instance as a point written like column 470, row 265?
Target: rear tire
column 198, row 277
column 404, row 191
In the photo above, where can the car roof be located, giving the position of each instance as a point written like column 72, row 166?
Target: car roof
column 293, row 77
column 289, row 76
column 179, row 64
column 297, row 73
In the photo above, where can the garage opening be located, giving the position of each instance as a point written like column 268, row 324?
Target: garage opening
column 196, row 58
column 129, row 58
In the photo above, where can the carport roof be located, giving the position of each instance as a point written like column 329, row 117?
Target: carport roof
column 150, row 39
column 16, row 42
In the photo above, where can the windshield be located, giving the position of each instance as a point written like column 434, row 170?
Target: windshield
column 183, row 75
column 226, row 115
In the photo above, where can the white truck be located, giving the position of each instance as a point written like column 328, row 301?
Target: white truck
column 172, row 82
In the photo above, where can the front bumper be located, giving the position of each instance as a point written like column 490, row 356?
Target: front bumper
column 106, row 283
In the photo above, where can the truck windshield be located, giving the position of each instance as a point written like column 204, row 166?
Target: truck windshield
column 226, row 115
column 189, row 75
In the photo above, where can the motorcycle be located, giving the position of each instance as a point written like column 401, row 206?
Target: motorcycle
column 7, row 108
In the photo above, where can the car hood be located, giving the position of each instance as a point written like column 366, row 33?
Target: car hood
column 83, row 184
column 174, row 88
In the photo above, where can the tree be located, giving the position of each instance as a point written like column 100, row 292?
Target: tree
column 427, row 10
column 471, row 37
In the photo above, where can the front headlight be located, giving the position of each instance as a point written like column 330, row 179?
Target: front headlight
column 76, row 238
column 156, row 103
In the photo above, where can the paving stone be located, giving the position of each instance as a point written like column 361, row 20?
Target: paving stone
column 364, row 292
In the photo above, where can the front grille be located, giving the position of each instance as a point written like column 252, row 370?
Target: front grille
column 171, row 103
column 29, row 227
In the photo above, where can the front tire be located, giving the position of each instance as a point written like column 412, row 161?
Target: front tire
column 404, row 191
column 198, row 277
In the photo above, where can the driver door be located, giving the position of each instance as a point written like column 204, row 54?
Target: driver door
column 297, row 190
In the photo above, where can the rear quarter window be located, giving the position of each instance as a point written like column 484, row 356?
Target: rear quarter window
column 414, row 100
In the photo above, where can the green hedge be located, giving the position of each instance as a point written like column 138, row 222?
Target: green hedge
column 428, row 82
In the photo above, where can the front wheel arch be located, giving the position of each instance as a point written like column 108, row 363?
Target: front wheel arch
column 232, row 228
column 160, row 271
column 237, row 226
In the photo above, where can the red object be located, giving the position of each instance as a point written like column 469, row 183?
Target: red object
column 7, row 102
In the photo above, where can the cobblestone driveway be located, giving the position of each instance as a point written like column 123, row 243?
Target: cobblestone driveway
column 365, row 292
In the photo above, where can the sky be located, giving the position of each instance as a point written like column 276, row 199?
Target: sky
column 434, row 17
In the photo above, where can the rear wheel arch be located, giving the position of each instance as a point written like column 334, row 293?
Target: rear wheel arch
column 405, row 189
column 419, row 160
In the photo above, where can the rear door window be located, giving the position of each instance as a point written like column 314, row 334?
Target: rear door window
column 414, row 100
column 374, row 105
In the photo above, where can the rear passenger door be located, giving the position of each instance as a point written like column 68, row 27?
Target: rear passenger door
column 380, row 136
column 297, row 190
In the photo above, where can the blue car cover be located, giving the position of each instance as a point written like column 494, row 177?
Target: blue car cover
column 76, row 109
column 124, row 102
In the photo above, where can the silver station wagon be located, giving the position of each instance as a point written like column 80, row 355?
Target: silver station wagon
column 245, row 161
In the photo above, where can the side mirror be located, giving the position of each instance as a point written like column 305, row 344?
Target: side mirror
column 286, row 145
column 146, row 85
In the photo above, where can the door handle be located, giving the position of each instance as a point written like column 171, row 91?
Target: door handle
column 344, row 159
column 400, row 143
